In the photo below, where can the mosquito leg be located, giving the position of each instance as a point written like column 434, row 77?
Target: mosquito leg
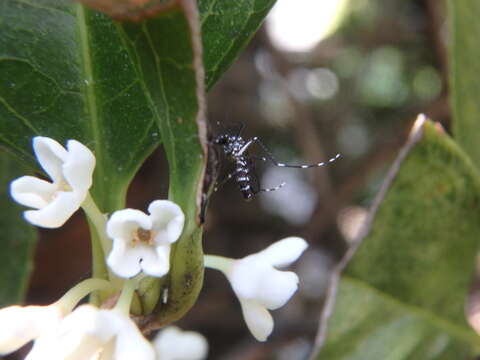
column 270, row 157
column 242, row 127
column 220, row 184
column 273, row 189
column 259, row 158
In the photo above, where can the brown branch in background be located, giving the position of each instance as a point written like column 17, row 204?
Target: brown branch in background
column 437, row 24
column 436, row 12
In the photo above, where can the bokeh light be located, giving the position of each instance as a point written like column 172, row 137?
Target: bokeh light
column 299, row 25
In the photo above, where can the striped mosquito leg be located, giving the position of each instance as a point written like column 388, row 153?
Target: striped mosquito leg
column 218, row 185
column 323, row 163
column 273, row 189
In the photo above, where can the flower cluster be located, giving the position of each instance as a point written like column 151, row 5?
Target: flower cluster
column 89, row 333
column 134, row 243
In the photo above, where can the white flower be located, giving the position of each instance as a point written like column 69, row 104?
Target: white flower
column 71, row 172
column 142, row 242
column 175, row 344
column 258, row 285
column 19, row 325
column 89, row 333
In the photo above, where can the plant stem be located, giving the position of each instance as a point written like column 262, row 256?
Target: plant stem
column 99, row 221
column 219, row 263
column 79, row 291
column 125, row 300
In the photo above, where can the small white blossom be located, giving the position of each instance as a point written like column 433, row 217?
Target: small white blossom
column 259, row 285
column 142, row 242
column 175, row 344
column 20, row 325
column 71, row 172
column 89, row 333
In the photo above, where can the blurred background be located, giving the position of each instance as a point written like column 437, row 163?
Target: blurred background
column 319, row 78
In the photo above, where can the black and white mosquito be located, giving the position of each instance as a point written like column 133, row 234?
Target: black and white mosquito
column 235, row 148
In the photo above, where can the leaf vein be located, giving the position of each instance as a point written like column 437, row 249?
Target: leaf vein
column 25, row 121
column 89, row 89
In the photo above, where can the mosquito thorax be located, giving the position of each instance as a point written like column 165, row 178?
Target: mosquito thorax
column 231, row 144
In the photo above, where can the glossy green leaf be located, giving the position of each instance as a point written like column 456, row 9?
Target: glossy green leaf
column 17, row 238
column 402, row 294
column 464, row 69
column 170, row 63
column 66, row 73
column 227, row 26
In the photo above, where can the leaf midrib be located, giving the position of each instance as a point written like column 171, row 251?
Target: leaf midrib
column 89, row 92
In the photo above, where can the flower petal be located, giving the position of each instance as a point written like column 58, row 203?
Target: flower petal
column 57, row 212
column 88, row 332
column 276, row 289
column 85, row 332
column 284, row 252
column 50, row 155
column 125, row 261
column 157, row 261
column 80, row 335
column 258, row 319
column 246, row 274
column 22, row 324
column 31, row 191
column 45, row 347
column 78, row 166
column 253, row 279
column 123, row 223
column 130, row 343
column 168, row 220
column 175, row 344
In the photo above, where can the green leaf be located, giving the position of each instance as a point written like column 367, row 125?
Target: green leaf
column 66, row 73
column 17, row 238
column 402, row 294
column 464, row 69
column 168, row 52
column 227, row 27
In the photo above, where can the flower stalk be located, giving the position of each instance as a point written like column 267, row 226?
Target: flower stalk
column 99, row 222
column 79, row 291
column 125, row 300
column 215, row 262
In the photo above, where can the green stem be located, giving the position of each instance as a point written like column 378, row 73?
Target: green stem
column 99, row 221
column 79, row 291
column 125, row 300
column 219, row 263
